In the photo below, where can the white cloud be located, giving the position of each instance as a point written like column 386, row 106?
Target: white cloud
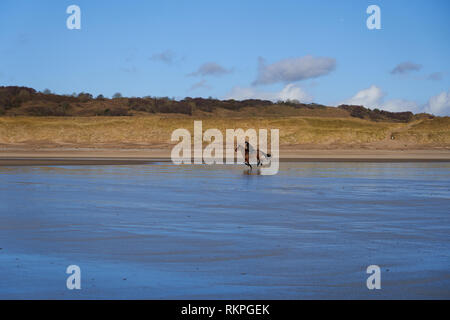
column 293, row 92
column 294, row 69
column 400, row 105
column 439, row 105
column 369, row 98
column 373, row 97
column 289, row 92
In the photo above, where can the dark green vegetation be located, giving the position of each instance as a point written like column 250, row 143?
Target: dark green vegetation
column 23, row 101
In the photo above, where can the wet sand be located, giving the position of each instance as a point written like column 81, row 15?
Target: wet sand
column 106, row 156
column 162, row 231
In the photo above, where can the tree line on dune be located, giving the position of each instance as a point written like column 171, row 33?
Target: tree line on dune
column 24, row 101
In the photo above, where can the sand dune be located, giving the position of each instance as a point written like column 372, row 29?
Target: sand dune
column 147, row 138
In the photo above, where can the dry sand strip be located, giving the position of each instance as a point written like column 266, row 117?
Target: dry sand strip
column 148, row 156
column 7, row 162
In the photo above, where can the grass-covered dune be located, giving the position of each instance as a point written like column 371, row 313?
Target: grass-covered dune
column 37, row 119
column 156, row 130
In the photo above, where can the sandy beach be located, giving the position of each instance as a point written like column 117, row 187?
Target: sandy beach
column 101, row 156
column 225, row 150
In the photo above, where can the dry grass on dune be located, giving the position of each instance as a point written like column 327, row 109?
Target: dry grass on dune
column 435, row 130
column 148, row 131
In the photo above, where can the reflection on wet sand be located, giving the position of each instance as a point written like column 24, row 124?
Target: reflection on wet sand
column 224, row 231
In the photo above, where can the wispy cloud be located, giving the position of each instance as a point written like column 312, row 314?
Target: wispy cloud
column 406, row 67
column 210, row 69
column 294, row 69
column 23, row 38
column 131, row 69
column 435, row 76
column 200, row 85
column 167, row 57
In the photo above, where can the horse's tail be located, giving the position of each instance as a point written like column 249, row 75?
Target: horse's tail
column 267, row 155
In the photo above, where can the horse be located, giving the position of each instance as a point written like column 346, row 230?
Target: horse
column 249, row 150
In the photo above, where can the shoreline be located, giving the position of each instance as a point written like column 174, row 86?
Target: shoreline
column 91, row 156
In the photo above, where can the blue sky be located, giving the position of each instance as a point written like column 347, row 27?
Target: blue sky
column 320, row 51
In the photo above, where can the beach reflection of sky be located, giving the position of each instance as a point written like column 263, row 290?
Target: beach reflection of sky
column 215, row 232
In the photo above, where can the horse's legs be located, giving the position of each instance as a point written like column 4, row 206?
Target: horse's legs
column 248, row 164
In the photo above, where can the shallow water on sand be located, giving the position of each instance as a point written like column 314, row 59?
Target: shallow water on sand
column 165, row 231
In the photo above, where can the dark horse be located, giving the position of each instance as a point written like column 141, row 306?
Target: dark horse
column 248, row 150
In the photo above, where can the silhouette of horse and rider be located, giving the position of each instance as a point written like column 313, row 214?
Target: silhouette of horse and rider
column 249, row 151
